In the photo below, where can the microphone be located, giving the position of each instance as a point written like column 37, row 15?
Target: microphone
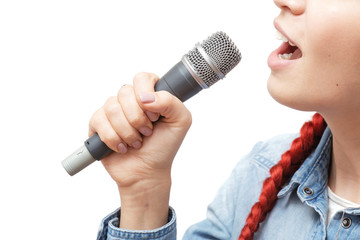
column 200, row 68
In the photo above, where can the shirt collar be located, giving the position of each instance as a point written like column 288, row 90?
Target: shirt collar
column 314, row 171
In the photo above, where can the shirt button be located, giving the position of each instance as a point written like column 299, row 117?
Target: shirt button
column 346, row 222
column 308, row 191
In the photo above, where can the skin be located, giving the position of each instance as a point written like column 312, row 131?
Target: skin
column 142, row 173
column 326, row 78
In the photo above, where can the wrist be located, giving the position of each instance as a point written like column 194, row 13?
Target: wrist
column 145, row 206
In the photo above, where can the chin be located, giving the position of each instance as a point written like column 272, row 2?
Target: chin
column 289, row 97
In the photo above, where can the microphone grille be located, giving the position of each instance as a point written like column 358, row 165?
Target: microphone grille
column 220, row 51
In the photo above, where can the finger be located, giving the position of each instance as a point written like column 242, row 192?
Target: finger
column 168, row 106
column 100, row 124
column 152, row 116
column 120, row 124
column 132, row 111
column 145, row 82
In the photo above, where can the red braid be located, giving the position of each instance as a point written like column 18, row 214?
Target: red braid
column 290, row 161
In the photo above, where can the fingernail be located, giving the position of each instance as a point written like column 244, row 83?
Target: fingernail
column 122, row 148
column 136, row 144
column 145, row 131
column 147, row 97
column 152, row 116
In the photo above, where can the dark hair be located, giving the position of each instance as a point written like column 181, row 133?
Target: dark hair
column 291, row 160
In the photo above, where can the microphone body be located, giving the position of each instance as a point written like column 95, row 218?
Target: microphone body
column 177, row 81
column 200, row 68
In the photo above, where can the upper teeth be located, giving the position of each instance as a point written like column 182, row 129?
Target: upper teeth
column 279, row 36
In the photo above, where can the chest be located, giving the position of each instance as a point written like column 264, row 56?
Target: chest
column 292, row 219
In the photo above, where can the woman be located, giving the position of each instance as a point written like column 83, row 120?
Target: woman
column 305, row 188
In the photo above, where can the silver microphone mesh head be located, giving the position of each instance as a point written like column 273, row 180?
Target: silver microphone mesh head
column 213, row 58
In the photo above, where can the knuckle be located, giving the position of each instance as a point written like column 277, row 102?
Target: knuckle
column 188, row 118
column 145, row 76
column 112, row 110
column 166, row 98
column 135, row 120
column 171, row 104
column 140, row 75
column 124, row 93
column 169, row 99
column 95, row 120
column 124, row 88
column 109, row 101
column 111, row 107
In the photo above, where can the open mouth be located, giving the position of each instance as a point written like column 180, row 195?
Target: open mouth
column 288, row 50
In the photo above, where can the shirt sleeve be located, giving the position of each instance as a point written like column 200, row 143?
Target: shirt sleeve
column 109, row 229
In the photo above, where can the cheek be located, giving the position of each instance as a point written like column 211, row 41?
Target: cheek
column 333, row 53
column 333, row 42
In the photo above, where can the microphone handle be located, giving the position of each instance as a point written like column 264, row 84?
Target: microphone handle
column 178, row 81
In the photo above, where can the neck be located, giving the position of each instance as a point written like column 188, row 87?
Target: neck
column 344, row 172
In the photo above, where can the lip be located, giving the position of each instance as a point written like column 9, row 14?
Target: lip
column 276, row 63
column 279, row 28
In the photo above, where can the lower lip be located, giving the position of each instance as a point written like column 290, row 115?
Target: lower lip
column 276, row 63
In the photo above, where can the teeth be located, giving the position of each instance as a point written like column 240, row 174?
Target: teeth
column 291, row 44
column 285, row 56
column 281, row 37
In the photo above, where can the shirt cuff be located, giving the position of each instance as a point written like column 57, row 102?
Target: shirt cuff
column 109, row 229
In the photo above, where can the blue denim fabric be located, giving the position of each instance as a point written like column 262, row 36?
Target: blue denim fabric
column 299, row 214
column 109, row 229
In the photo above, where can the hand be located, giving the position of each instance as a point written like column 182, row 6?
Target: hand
column 144, row 145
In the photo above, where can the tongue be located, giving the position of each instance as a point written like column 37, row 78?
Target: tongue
column 296, row 54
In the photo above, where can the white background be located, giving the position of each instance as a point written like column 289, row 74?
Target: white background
column 59, row 62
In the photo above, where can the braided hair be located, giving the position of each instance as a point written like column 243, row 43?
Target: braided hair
column 291, row 160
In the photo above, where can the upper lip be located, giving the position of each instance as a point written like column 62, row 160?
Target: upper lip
column 279, row 28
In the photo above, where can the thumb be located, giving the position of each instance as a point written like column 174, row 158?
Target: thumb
column 167, row 105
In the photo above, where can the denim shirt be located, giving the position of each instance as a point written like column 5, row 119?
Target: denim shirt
column 299, row 214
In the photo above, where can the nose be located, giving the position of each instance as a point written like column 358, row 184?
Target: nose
column 296, row 7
